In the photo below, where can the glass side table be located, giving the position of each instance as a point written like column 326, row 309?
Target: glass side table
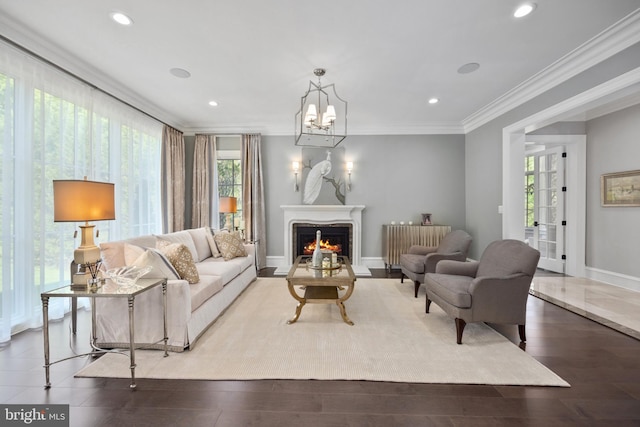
column 108, row 289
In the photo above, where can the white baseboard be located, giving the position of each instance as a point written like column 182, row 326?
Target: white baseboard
column 276, row 261
column 612, row 278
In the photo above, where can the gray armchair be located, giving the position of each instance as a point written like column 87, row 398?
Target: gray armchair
column 494, row 289
column 423, row 259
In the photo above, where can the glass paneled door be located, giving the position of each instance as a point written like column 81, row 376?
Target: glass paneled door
column 549, row 208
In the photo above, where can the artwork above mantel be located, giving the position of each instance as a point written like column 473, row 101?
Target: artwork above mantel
column 323, row 180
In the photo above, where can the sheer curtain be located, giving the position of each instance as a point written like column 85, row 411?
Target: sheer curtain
column 253, row 196
column 173, row 174
column 53, row 126
column 205, row 183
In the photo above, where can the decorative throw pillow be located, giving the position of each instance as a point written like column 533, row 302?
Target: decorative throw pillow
column 181, row 259
column 215, row 252
column 230, row 245
column 180, row 237
column 161, row 267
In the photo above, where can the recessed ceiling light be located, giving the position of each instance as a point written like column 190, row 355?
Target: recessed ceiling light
column 121, row 18
column 468, row 68
column 180, row 72
column 524, row 10
column 433, row 101
column 213, row 103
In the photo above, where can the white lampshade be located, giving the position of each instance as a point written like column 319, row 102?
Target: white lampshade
column 312, row 113
column 296, row 166
column 331, row 113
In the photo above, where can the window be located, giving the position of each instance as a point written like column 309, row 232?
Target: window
column 230, row 185
column 55, row 127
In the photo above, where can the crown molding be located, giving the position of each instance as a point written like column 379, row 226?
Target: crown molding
column 614, row 39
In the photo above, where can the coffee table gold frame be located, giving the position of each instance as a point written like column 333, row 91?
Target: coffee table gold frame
column 321, row 285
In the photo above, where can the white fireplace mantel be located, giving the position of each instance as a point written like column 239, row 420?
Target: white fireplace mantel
column 325, row 214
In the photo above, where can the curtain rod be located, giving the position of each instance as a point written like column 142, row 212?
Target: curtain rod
column 75, row 76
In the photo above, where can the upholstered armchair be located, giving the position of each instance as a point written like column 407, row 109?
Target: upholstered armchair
column 494, row 289
column 423, row 259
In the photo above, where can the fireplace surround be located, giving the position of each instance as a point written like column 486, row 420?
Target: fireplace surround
column 324, row 215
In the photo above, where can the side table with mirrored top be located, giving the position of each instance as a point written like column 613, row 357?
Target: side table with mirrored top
column 108, row 289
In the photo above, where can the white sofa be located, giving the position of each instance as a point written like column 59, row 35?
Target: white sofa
column 191, row 308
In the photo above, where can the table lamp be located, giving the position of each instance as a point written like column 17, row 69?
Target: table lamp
column 83, row 200
column 228, row 205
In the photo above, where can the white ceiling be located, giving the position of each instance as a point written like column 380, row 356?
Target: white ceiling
column 256, row 57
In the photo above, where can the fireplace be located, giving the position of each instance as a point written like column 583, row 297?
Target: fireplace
column 323, row 216
column 334, row 237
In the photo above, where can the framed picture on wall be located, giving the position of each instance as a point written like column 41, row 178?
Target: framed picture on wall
column 620, row 188
column 426, row 219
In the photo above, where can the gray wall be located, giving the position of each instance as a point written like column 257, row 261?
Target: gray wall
column 483, row 153
column 613, row 238
column 395, row 177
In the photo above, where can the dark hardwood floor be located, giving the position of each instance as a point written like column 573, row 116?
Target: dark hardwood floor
column 602, row 366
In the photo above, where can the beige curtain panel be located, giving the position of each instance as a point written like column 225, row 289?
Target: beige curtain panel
column 253, row 207
column 173, row 175
column 205, row 183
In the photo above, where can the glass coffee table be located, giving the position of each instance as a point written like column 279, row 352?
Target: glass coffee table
column 321, row 285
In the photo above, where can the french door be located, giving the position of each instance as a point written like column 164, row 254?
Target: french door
column 548, row 209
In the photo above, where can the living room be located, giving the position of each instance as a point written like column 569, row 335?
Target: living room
column 462, row 172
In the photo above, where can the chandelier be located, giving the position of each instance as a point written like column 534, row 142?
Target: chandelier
column 322, row 118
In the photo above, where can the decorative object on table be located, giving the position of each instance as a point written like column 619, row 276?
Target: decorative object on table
column 78, row 201
column 316, row 258
column 620, row 189
column 318, row 170
column 426, row 219
column 228, row 206
column 127, row 276
column 322, row 118
column 94, row 270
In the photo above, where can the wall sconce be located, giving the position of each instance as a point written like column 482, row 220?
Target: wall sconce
column 296, row 168
column 349, row 169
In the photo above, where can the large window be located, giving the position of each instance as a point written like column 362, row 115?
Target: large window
column 55, row 127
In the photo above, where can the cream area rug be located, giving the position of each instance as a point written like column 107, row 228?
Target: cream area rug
column 393, row 339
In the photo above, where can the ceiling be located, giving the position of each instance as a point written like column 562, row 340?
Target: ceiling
column 255, row 57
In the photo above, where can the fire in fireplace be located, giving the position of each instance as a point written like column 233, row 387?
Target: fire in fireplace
column 324, row 244
column 334, row 237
